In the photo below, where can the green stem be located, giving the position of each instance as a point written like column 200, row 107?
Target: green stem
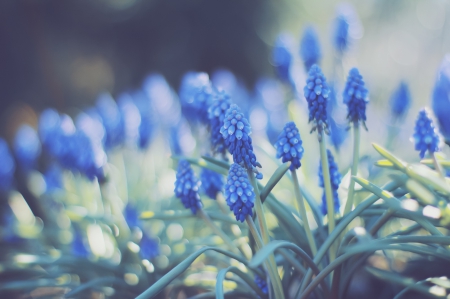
column 275, row 278
column 218, row 231
column 328, row 193
column 437, row 165
column 301, row 208
column 351, row 190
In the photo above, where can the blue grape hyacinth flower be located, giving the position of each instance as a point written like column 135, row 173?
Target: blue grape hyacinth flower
column 335, row 178
column 212, row 182
column 341, row 34
column 355, row 97
column 79, row 248
column 426, row 136
column 187, row 186
column 53, row 178
column 216, row 115
column 262, row 284
column 282, row 56
column 236, row 130
column 27, row 147
column 196, row 94
column 400, row 101
column 310, row 48
column 7, row 167
column 289, row 146
column 112, row 120
column 131, row 215
column 149, row 247
column 316, row 93
column 441, row 99
column 239, row 193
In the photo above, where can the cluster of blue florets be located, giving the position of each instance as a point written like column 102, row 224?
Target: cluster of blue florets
column 235, row 131
column 335, row 178
column 289, row 146
column 355, row 97
column 212, row 182
column 400, row 101
column 216, row 115
column 316, row 93
column 310, row 48
column 282, row 57
column 426, row 137
column 239, row 193
column 187, row 187
column 262, row 284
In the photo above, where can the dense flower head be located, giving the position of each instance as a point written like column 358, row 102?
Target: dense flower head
column 27, row 146
column 289, row 146
column 282, row 56
column 187, row 186
column 7, row 166
column 441, row 98
column 236, row 130
column 262, row 284
column 112, row 120
column 216, row 115
column 196, row 94
column 316, row 93
column 239, row 192
column 400, row 100
column 335, row 178
column 212, row 182
column 149, row 247
column 310, row 48
column 426, row 136
column 341, row 34
column 355, row 96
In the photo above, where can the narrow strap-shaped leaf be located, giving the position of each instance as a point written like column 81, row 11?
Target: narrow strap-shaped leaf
column 228, row 295
column 274, row 179
column 399, row 164
column 180, row 214
column 203, row 163
column 221, row 163
column 221, row 277
column 94, row 283
column 180, row 268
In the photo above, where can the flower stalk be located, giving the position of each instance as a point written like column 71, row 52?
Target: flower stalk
column 354, row 170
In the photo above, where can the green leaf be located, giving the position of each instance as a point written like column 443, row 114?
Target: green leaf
column 388, row 155
column 180, row 214
column 164, row 281
column 221, row 277
column 429, row 177
column 228, row 295
column 203, row 163
column 385, row 164
column 429, row 162
column 220, row 163
column 94, row 283
column 274, row 179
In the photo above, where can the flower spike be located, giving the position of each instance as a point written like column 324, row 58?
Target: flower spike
column 355, row 96
column 426, row 136
column 239, row 193
column 186, row 187
column 289, row 146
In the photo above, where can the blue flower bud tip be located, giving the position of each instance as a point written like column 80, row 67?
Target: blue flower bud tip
column 335, row 179
column 239, row 193
column 355, row 97
column 289, row 146
column 426, row 136
column 187, row 186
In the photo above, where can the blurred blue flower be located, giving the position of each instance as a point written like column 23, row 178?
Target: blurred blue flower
column 355, row 96
column 131, row 118
column 426, row 136
column 236, row 130
column 289, row 146
column 316, row 93
column 131, row 215
column 212, row 182
column 148, row 123
column 335, row 178
column 216, row 115
column 187, row 187
column 441, row 98
column 239, row 193
column 27, row 147
column 196, row 94
column 79, row 248
column 262, row 284
column 310, row 48
column 400, row 101
column 7, row 167
column 341, row 34
column 112, row 120
column 53, row 177
column 282, row 56
column 149, row 247
column 338, row 133
column 49, row 128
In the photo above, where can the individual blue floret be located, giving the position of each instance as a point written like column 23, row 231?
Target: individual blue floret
column 196, row 94
column 316, row 93
column 400, row 101
column 27, row 147
column 426, row 136
column 7, row 167
column 355, row 97
column 262, row 284
column 216, row 115
column 310, row 48
column 236, row 130
column 289, row 146
column 187, row 186
column 239, row 192
column 441, row 99
column 149, row 247
column 335, row 178
column 282, row 56
column 212, row 182
column 112, row 120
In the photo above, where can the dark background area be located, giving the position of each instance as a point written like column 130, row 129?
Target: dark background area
column 62, row 53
